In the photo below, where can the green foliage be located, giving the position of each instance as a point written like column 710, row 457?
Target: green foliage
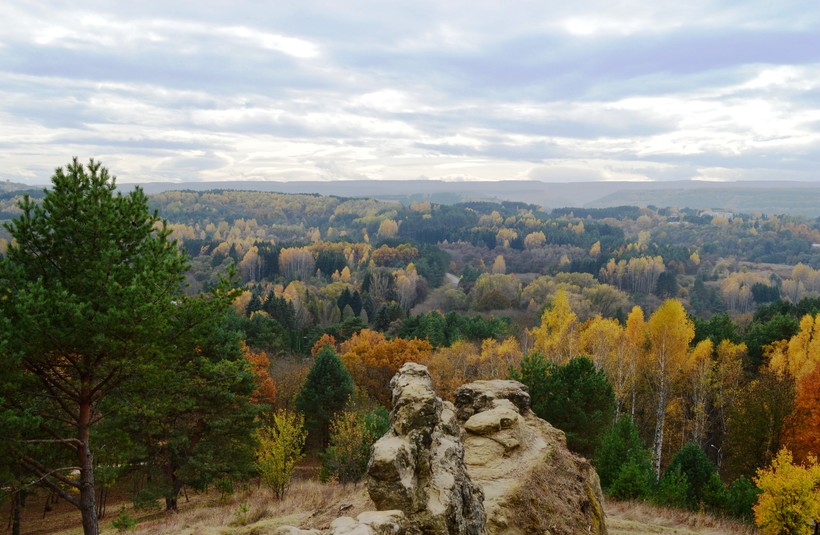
column 698, row 471
column 740, row 498
column 90, row 291
column 635, row 479
column 756, row 421
column 280, row 448
column 575, row 397
column 673, row 488
column 124, row 522
column 190, row 420
column 326, row 391
column 717, row 328
column 352, row 434
column 619, row 444
column 443, row 330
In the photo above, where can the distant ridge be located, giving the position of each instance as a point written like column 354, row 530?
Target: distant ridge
column 771, row 197
column 6, row 187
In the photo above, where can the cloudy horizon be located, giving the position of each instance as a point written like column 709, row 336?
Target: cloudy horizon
column 204, row 91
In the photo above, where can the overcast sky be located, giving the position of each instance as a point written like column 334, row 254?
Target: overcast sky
column 308, row 90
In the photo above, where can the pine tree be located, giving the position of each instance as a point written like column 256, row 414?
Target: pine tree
column 326, row 391
column 86, row 290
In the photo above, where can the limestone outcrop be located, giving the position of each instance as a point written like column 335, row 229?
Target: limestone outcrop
column 418, row 466
column 532, row 483
column 486, row 465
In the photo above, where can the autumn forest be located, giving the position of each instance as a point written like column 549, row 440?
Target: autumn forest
column 195, row 340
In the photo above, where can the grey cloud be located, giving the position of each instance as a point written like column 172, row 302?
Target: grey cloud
column 463, row 69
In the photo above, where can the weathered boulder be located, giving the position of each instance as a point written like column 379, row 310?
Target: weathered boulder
column 532, row 483
column 418, row 466
column 371, row 523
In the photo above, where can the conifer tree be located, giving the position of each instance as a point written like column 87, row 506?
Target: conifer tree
column 87, row 290
column 326, row 391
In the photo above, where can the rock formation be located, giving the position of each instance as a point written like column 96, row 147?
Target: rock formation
column 486, row 465
column 418, row 466
column 532, row 483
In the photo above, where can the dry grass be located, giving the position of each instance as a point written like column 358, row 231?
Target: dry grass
column 634, row 518
column 557, row 498
column 308, row 504
column 255, row 511
column 311, row 504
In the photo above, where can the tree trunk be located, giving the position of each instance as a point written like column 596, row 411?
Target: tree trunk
column 88, row 498
column 17, row 505
column 172, row 500
column 660, row 417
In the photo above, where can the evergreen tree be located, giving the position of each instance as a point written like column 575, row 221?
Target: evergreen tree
column 196, row 424
column 575, row 397
column 618, row 445
column 698, row 469
column 326, row 391
column 86, row 291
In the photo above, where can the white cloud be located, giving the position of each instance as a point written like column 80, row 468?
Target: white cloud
column 582, row 90
column 298, row 48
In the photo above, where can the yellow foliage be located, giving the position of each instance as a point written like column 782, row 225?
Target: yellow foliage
column 600, row 338
column 534, row 240
column 802, row 354
column 388, row 228
column 595, row 250
column 279, row 449
column 557, row 336
column 499, row 265
column 790, row 499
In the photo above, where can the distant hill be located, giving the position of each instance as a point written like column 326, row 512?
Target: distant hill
column 7, row 186
column 794, row 198
column 780, row 199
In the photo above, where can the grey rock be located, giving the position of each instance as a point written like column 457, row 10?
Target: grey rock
column 418, row 466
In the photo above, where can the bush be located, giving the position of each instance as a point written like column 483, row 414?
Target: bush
column 789, row 501
column 124, row 521
column 699, row 471
column 352, row 434
column 673, row 488
column 741, row 498
column 617, row 446
column 280, row 448
column 635, row 478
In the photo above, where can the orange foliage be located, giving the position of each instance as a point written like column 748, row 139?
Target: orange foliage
column 265, row 391
column 802, row 434
column 325, row 340
column 464, row 362
column 373, row 360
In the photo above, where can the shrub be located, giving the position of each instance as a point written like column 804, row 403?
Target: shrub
column 617, row 446
column 124, row 521
column 280, row 448
column 741, row 498
column 635, row 478
column 699, row 471
column 673, row 488
column 789, row 500
column 352, row 434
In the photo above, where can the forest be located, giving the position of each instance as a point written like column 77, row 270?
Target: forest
column 201, row 339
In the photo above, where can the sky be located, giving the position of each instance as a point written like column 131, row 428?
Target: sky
column 477, row 90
